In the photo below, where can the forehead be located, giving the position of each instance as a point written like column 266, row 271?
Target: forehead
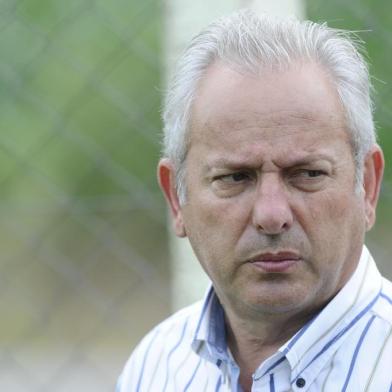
column 271, row 104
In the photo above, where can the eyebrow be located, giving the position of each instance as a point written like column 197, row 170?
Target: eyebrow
column 223, row 162
column 312, row 158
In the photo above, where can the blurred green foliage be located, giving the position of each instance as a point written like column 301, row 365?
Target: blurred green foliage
column 80, row 84
column 80, row 91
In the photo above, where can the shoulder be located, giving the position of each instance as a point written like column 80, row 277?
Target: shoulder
column 173, row 334
column 182, row 323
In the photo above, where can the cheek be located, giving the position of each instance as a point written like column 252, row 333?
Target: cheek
column 334, row 219
column 214, row 226
column 220, row 215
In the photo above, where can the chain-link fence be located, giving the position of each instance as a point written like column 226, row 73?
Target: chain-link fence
column 82, row 229
column 84, row 263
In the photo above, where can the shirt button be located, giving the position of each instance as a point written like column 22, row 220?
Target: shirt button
column 300, row 383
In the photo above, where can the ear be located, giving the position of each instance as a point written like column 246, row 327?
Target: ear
column 167, row 182
column 372, row 177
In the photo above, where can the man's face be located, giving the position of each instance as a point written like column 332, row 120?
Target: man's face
column 272, row 212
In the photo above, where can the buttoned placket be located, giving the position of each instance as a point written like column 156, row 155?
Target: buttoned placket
column 230, row 376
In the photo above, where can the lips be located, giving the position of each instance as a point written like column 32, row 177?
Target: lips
column 275, row 262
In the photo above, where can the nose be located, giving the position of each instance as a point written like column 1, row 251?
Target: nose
column 272, row 213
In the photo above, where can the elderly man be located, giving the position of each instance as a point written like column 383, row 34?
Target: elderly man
column 272, row 171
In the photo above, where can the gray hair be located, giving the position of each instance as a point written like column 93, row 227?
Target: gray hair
column 251, row 42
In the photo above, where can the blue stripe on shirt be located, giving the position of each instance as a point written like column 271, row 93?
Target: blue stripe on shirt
column 279, row 361
column 272, row 383
column 193, row 376
column 386, row 298
column 359, row 344
column 144, row 360
column 341, row 333
column 218, row 384
column 171, row 353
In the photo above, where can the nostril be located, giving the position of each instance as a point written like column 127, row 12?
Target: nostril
column 272, row 221
column 273, row 229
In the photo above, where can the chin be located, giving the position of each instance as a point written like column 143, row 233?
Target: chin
column 278, row 304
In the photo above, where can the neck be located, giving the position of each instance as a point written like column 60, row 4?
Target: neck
column 253, row 341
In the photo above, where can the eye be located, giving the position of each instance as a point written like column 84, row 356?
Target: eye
column 236, row 177
column 231, row 184
column 314, row 173
column 307, row 174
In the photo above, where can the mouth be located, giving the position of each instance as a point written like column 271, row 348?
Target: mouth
column 275, row 262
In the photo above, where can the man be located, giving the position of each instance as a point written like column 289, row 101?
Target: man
column 272, row 171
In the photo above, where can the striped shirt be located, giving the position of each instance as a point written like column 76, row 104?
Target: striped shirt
column 346, row 347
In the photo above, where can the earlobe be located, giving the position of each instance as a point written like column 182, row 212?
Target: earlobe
column 372, row 178
column 166, row 179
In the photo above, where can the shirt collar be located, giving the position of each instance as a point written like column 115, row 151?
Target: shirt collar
column 209, row 339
